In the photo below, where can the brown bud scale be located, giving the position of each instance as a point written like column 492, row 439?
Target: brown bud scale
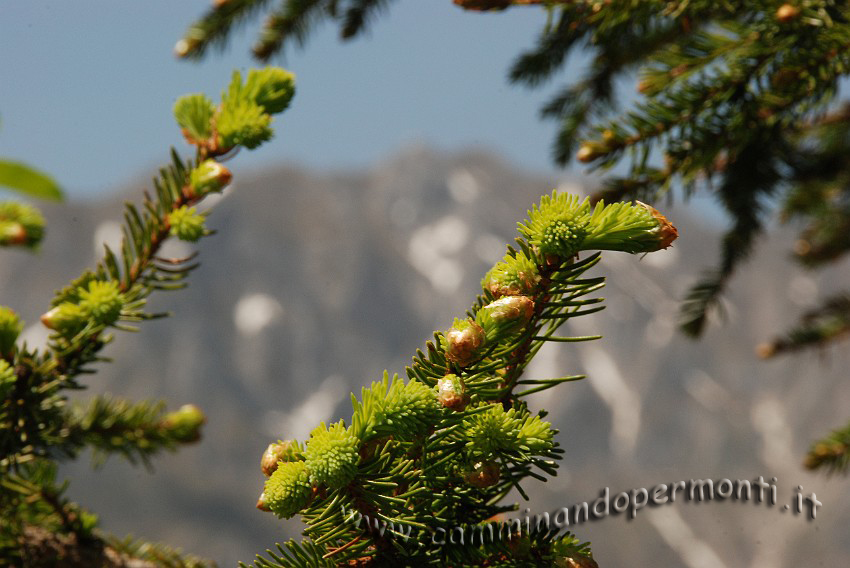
column 463, row 345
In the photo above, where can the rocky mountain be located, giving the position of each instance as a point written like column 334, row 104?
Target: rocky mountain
column 317, row 282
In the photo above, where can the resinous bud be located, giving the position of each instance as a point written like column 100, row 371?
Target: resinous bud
column 666, row 231
column 589, row 151
column 464, row 342
column 66, row 318
column 483, row 474
column 451, row 393
column 209, row 177
column 278, row 452
column 515, row 275
column 12, row 233
column 184, row 47
column 511, row 309
column 505, row 316
column 262, row 505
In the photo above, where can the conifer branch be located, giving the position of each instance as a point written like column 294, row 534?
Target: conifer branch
column 755, row 168
column 291, row 21
column 113, row 295
column 136, row 431
column 37, row 428
column 831, row 454
column 215, row 26
column 817, row 328
column 357, row 15
column 443, row 449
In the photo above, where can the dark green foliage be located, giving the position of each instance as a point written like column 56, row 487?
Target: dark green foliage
column 291, row 21
column 819, row 195
column 356, row 15
column 216, row 25
column 736, row 101
column 43, row 528
column 756, row 168
column 733, row 93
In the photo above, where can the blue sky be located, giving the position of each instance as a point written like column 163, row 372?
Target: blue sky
column 87, row 88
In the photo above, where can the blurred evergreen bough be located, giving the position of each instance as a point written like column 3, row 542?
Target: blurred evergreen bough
column 38, row 427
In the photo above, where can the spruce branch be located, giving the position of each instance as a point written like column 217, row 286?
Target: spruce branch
column 817, row 328
column 215, row 26
column 113, row 295
column 709, row 88
column 443, row 448
column 756, row 167
column 154, row 554
column 357, row 15
column 37, row 426
column 291, row 21
column 830, row 454
column 42, row 527
column 136, row 431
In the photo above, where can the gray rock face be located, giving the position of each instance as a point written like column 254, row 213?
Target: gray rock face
column 316, row 283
